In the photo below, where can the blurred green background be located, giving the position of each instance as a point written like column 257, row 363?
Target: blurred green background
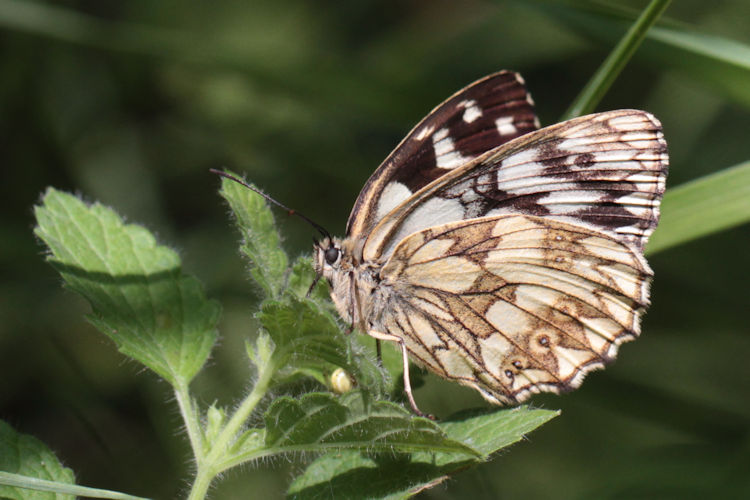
column 131, row 102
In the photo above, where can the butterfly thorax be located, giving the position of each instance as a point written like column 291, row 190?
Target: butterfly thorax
column 352, row 283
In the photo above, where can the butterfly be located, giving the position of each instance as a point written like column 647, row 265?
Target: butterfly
column 503, row 256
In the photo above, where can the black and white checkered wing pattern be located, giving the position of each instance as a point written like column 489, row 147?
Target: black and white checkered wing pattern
column 606, row 171
column 478, row 118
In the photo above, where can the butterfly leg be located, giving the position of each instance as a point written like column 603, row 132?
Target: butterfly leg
column 355, row 306
column 407, row 383
column 312, row 286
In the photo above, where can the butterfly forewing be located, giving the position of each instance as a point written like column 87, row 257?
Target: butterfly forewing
column 605, row 170
column 513, row 305
column 476, row 119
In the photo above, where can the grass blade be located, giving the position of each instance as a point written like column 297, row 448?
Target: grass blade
column 719, row 62
column 32, row 484
column 595, row 89
column 703, row 206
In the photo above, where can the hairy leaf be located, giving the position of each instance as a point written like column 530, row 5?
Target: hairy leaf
column 27, row 456
column 139, row 295
column 307, row 339
column 343, row 474
column 261, row 242
column 321, row 421
column 302, row 277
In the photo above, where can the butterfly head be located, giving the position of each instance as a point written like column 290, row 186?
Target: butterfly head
column 335, row 260
column 328, row 256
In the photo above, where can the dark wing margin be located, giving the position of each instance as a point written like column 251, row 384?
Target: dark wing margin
column 476, row 119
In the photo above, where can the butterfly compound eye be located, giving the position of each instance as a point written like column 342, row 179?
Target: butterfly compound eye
column 332, row 255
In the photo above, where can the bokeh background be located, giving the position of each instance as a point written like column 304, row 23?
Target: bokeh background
column 130, row 103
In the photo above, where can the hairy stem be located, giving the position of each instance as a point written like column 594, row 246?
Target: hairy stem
column 212, row 461
column 190, row 417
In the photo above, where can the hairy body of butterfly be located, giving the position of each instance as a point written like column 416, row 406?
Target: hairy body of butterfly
column 504, row 257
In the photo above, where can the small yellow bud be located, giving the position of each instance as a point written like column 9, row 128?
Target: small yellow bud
column 341, row 382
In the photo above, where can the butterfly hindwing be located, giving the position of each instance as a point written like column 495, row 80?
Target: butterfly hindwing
column 605, row 170
column 480, row 117
column 514, row 305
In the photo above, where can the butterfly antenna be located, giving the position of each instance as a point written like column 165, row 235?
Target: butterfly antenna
column 289, row 211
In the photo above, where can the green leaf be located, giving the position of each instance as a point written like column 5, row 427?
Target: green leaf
column 303, row 335
column 302, row 277
column 261, row 242
column 250, row 441
column 613, row 65
column 321, row 421
column 307, row 339
column 139, row 296
column 261, row 351
column 342, row 474
column 493, row 430
column 215, row 420
column 702, row 207
column 27, row 456
column 30, row 471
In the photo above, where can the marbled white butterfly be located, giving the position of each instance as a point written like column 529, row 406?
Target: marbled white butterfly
column 507, row 258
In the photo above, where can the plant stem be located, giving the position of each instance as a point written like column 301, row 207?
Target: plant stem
column 202, row 481
column 190, row 417
column 598, row 85
column 210, row 466
column 242, row 413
